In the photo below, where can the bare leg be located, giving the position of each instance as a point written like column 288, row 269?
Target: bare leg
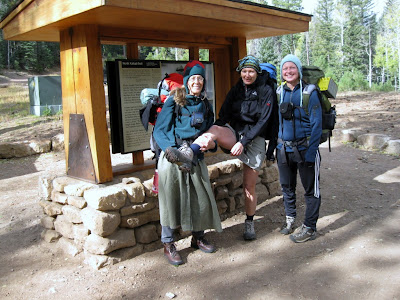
column 184, row 155
column 249, row 187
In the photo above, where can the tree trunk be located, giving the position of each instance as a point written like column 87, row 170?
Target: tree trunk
column 398, row 58
column 307, row 48
column 8, row 55
column 369, row 58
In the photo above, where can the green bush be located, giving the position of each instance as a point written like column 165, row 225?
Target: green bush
column 353, row 81
column 47, row 112
column 386, row 87
column 332, row 73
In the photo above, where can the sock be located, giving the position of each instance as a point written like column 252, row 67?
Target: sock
column 250, row 218
column 195, row 148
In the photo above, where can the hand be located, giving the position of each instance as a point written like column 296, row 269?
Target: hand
column 205, row 142
column 237, row 149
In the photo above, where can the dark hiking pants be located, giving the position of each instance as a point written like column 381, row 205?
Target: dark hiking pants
column 309, row 175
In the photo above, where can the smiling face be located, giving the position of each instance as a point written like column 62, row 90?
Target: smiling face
column 249, row 75
column 195, row 85
column 290, row 73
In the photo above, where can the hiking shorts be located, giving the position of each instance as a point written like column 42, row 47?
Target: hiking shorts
column 254, row 153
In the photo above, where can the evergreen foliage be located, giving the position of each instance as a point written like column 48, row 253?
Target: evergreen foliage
column 325, row 37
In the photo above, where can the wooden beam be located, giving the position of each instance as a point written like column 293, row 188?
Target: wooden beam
column 214, row 10
column 44, row 14
column 43, row 19
column 255, row 8
column 15, row 12
column 157, row 37
column 83, row 93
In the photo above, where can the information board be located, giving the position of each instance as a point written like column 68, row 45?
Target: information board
column 126, row 79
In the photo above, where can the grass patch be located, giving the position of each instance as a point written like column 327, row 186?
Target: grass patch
column 14, row 103
column 15, row 109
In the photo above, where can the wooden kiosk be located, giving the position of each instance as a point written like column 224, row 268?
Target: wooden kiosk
column 222, row 26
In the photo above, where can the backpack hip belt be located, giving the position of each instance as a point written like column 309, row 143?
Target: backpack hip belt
column 302, row 142
column 292, row 144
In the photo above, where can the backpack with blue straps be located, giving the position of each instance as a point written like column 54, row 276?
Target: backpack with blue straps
column 326, row 88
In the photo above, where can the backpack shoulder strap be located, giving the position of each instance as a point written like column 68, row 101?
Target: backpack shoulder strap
column 307, row 90
column 278, row 94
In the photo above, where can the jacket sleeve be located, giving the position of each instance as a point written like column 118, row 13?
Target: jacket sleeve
column 315, row 109
column 266, row 99
column 165, row 125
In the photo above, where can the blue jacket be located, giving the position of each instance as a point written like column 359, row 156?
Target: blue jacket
column 305, row 126
column 171, row 127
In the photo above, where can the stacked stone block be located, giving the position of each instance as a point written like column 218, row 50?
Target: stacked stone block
column 112, row 222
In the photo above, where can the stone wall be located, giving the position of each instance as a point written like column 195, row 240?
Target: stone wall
column 112, row 222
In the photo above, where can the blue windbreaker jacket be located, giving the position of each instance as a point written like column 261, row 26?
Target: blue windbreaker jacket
column 305, row 126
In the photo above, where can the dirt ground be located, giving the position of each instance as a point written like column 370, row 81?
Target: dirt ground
column 355, row 256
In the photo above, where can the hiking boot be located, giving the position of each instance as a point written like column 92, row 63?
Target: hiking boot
column 183, row 157
column 288, row 227
column 249, row 232
column 202, row 244
column 303, row 234
column 172, row 255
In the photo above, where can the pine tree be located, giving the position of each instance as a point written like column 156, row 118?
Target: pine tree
column 325, row 37
column 273, row 49
column 288, row 42
column 392, row 25
column 356, row 34
column 5, row 7
column 385, row 57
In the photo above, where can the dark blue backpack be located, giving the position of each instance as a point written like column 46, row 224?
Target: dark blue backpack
column 271, row 131
column 270, row 68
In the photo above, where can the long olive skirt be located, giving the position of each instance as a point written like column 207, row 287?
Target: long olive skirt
column 186, row 199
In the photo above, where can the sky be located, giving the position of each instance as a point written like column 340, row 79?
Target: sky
column 310, row 5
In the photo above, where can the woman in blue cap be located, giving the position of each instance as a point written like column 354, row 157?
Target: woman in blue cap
column 297, row 150
column 186, row 198
column 243, row 118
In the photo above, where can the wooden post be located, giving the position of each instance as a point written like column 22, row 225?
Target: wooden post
column 83, row 93
column 222, row 75
column 194, row 53
column 238, row 51
column 133, row 53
